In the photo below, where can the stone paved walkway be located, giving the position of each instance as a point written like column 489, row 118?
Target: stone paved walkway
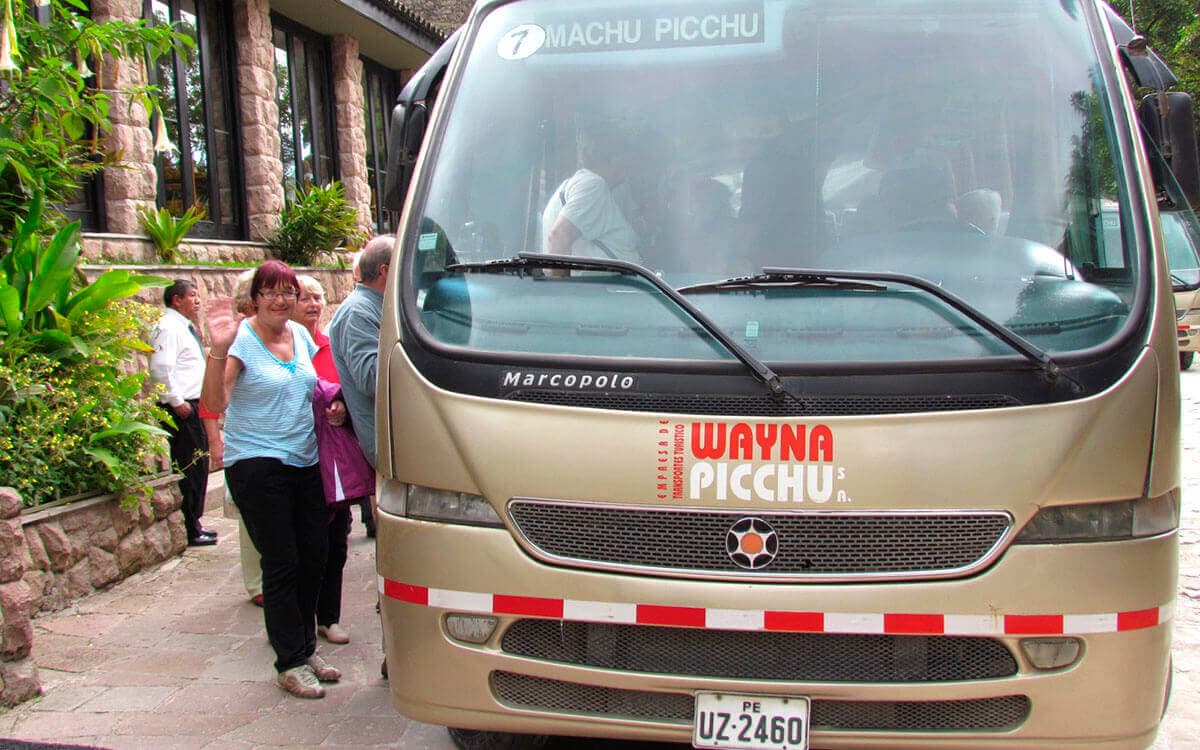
column 177, row 659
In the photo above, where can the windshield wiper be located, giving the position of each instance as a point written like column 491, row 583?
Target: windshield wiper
column 536, row 261
column 872, row 281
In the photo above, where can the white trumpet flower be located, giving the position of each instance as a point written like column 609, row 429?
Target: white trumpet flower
column 10, row 51
column 162, row 141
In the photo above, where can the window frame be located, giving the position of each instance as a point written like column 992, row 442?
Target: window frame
column 212, row 226
column 379, row 110
column 318, row 83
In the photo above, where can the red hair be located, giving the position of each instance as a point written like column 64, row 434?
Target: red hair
column 271, row 274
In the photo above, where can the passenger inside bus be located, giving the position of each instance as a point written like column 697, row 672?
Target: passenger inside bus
column 782, row 213
column 909, row 198
column 703, row 229
column 981, row 208
column 582, row 216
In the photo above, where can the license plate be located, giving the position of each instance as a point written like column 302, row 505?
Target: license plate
column 750, row 722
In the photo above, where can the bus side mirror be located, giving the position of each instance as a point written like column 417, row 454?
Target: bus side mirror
column 409, row 121
column 1166, row 119
column 404, row 143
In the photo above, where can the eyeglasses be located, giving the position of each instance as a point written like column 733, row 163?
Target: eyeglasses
column 274, row 294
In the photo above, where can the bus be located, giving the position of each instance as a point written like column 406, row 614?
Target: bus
column 759, row 374
column 1181, row 233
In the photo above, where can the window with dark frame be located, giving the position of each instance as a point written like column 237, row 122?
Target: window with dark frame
column 304, row 95
column 199, row 107
column 380, row 86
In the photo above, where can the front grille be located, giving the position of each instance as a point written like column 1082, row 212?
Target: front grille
column 802, row 405
column 811, row 545
column 736, row 654
column 1000, row 714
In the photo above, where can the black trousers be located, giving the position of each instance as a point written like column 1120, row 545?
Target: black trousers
column 329, row 603
column 189, row 454
column 283, row 509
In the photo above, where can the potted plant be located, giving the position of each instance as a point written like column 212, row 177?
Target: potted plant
column 167, row 231
column 319, row 219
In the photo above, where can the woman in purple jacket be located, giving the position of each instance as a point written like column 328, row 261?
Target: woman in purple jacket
column 345, row 473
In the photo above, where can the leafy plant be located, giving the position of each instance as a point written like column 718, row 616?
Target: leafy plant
column 53, row 107
column 67, row 428
column 73, row 416
column 44, row 301
column 167, row 230
column 319, row 219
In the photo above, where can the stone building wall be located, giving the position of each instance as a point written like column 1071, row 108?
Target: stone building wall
column 131, row 187
column 350, row 126
column 263, row 177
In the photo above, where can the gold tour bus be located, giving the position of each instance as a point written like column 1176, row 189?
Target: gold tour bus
column 759, row 374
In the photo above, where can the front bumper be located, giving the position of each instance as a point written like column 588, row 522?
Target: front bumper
column 1102, row 593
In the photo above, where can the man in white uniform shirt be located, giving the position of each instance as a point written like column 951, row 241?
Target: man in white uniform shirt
column 178, row 365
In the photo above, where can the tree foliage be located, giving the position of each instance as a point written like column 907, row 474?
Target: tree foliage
column 1173, row 29
column 55, row 95
column 74, row 415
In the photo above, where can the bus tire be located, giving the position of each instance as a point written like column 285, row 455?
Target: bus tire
column 475, row 739
column 1185, row 359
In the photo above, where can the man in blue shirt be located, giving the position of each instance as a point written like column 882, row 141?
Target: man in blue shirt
column 354, row 340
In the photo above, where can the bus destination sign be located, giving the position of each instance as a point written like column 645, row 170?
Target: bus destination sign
column 702, row 25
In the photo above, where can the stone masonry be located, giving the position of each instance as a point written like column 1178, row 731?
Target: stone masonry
column 18, row 674
column 132, row 186
column 259, row 117
column 350, row 129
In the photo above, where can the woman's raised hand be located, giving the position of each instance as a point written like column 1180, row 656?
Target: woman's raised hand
column 222, row 325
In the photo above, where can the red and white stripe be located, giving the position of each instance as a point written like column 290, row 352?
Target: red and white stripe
column 889, row 623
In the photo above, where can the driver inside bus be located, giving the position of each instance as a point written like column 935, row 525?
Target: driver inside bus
column 582, row 216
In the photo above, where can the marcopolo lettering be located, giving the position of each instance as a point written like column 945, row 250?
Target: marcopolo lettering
column 568, row 381
column 703, row 24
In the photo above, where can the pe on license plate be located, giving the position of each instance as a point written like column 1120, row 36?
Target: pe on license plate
column 750, row 722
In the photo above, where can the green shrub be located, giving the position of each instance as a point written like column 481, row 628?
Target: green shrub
column 318, row 220
column 73, row 417
column 68, row 427
column 167, row 231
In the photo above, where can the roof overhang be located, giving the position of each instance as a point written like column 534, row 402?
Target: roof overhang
column 386, row 32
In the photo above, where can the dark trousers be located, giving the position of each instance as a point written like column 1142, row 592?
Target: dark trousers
column 329, row 603
column 189, row 454
column 365, row 514
column 283, row 509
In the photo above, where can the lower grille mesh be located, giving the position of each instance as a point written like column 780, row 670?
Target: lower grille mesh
column 977, row 715
column 735, row 654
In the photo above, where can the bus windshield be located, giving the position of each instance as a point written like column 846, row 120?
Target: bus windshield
column 967, row 143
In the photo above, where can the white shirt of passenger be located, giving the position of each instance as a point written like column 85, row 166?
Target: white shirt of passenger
column 586, row 201
column 178, row 359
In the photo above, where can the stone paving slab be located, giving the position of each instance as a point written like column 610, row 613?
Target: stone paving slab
column 176, row 658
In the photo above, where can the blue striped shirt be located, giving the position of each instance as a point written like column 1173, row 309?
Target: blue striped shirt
column 270, row 410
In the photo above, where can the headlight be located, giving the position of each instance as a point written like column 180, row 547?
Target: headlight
column 431, row 504
column 1097, row 522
